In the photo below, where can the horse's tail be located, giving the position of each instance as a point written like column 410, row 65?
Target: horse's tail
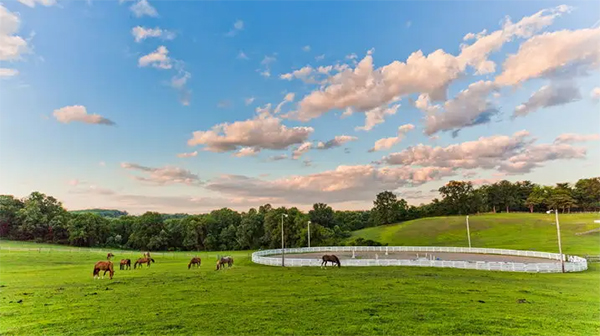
column 338, row 261
column 152, row 260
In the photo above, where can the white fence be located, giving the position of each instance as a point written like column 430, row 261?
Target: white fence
column 572, row 263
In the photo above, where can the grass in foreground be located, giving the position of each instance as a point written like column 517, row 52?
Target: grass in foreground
column 511, row 231
column 53, row 293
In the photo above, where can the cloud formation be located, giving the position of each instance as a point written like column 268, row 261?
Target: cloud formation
column 262, row 132
column 376, row 116
column 387, row 143
column 163, row 176
column 469, row 108
column 509, row 154
column 141, row 33
column 78, row 113
column 338, row 141
column 548, row 96
column 238, row 26
column 5, row 72
column 187, row 155
column 12, row 46
column 567, row 138
column 32, row 3
column 158, row 59
column 143, row 8
column 564, row 53
column 595, row 94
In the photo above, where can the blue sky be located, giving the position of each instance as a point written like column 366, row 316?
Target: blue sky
column 82, row 58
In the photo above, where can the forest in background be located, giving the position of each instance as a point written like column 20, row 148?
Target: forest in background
column 42, row 218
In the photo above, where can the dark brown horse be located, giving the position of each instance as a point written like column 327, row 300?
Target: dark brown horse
column 331, row 258
column 109, row 255
column 195, row 261
column 125, row 264
column 224, row 261
column 141, row 261
column 105, row 266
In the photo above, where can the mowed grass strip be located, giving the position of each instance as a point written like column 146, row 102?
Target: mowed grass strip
column 510, row 231
column 53, row 293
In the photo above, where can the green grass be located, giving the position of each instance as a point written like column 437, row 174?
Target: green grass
column 60, row 297
column 511, row 231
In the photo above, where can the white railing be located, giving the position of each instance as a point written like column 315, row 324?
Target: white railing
column 572, row 263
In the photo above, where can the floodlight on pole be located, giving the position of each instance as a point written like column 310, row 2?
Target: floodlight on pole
column 562, row 260
column 468, row 232
column 309, row 234
column 282, row 242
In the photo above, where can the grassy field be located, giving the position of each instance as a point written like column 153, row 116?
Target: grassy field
column 511, row 231
column 53, row 293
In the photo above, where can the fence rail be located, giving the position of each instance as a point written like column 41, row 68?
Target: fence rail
column 572, row 263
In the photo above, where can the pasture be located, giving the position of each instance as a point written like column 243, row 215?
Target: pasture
column 53, row 293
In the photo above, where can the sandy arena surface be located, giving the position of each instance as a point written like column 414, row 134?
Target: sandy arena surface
column 413, row 255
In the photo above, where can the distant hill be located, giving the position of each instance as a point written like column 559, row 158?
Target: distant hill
column 102, row 212
column 519, row 231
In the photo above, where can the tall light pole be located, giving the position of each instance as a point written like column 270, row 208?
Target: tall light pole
column 468, row 232
column 309, row 234
column 562, row 261
column 282, row 242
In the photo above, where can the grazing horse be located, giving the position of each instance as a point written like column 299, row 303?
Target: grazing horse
column 195, row 261
column 105, row 266
column 109, row 255
column 330, row 258
column 125, row 264
column 224, row 261
column 142, row 261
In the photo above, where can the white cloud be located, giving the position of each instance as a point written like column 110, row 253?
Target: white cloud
column 303, row 148
column 102, row 164
column 345, row 183
column 142, row 7
column 595, row 94
column 141, row 33
column 278, row 157
column 289, row 97
column 306, row 48
column 408, row 24
column 376, row 116
column 548, row 96
column 572, row 138
column 469, row 108
column 387, row 143
column 476, row 54
column 366, row 87
column 563, row 53
column 163, row 176
column 74, row 182
column 187, row 155
column 11, row 46
column 237, row 27
column 262, row 132
column 249, row 100
column 242, row 56
column 79, row 113
column 224, row 104
column 265, row 69
column 179, row 82
column 338, row 141
column 247, row 151
column 31, row 3
column 320, row 57
column 158, row 59
column 5, row 72
column 509, row 154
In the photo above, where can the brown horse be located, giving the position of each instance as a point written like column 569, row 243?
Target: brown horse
column 105, row 266
column 109, row 255
column 125, row 264
column 142, row 261
column 224, row 261
column 331, row 258
column 195, row 261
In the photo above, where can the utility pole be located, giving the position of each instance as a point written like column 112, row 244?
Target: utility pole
column 468, row 232
column 562, row 261
column 282, row 242
column 309, row 234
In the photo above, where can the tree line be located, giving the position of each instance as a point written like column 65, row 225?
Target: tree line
column 42, row 218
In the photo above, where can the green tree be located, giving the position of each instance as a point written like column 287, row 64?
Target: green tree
column 587, row 193
column 322, row 214
column 508, row 194
column 458, row 196
column 385, row 208
column 562, row 197
column 88, row 229
column 538, row 197
column 9, row 215
column 42, row 217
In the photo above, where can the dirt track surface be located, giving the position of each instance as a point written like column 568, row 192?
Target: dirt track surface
column 414, row 255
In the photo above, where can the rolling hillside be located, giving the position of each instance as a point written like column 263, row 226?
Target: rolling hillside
column 511, row 231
